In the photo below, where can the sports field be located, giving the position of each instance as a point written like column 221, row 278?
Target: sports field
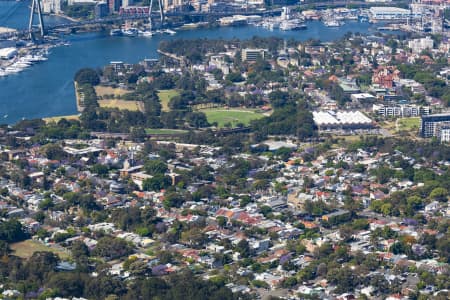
column 231, row 116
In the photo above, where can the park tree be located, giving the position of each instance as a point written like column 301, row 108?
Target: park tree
column 197, row 120
column 87, row 76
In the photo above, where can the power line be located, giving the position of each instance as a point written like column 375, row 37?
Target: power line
column 9, row 13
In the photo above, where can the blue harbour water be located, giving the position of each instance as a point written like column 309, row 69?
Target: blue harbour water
column 46, row 89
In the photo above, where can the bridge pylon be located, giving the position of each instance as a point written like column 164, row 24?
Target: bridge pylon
column 161, row 13
column 36, row 6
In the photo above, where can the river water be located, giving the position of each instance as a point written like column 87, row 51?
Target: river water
column 46, row 89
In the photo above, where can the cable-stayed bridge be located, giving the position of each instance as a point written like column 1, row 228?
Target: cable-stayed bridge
column 160, row 15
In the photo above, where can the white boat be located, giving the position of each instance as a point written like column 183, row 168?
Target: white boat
column 21, row 64
column 36, row 58
column 292, row 25
column 12, row 70
column 23, row 61
column 115, row 32
column 169, row 31
column 146, row 33
column 190, row 25
column 271, row 25
column 332, row 23
column 130, row 32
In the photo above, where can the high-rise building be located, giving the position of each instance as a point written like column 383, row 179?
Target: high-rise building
column 419, row 45
column 127, row 3
column 101, row 10
column 51, row 6
column 445, row 134
column 435, row 125
column 114, row 5
column 172, row 4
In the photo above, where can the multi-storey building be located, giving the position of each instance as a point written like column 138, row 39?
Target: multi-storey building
column 444, row 135
column 51, row 6
column 419, row 45
column 172, row 4
column 401, row 110
column 253, row 54
column 114, row 5
column 435, row 125
column 101, row 10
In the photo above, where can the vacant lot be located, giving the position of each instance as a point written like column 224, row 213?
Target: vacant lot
column 122, row 104
column 26, row 249
column 165, row 96
column 231, row 116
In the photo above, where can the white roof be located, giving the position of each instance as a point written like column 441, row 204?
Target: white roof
column 340, row 117
column 363, row 95
column 388, row 9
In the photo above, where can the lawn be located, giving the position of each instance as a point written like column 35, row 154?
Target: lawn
column 107, row 90
column 122, row 104
column 56, row 119
column 164, row 131
column 232, row 116
column 408, row 124
column 165, row 96
column 26, row 249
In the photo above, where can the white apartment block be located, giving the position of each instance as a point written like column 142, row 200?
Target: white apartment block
column 444, row 134
column 419, row 45
column 400, row 111
column 51, row 6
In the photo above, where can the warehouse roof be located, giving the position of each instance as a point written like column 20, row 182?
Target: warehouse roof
column 340, row 118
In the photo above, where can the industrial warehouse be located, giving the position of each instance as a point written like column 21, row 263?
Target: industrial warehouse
column 341, row 120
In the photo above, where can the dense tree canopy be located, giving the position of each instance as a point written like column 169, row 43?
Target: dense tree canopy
column 87, row 76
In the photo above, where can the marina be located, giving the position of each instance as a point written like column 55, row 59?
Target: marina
column 45, row 88
column 133, row 32
column 22, row 63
